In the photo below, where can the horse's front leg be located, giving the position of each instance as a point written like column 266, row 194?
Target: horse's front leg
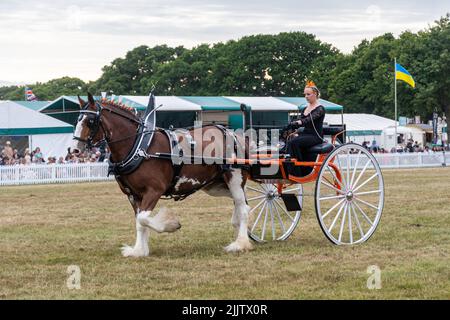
column 141, row 248
column 163, row 221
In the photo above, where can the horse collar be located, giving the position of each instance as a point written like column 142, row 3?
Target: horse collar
column 133, row 160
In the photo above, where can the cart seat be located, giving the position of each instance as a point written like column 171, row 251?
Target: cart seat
column 321, row 148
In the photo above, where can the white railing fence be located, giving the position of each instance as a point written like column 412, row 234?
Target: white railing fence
column 56, row 173
column 402, row 160
column 413, row 160
column 88, row 172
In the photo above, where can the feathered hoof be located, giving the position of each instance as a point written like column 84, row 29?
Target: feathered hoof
column 239, row 246
column 167, row 221
column 128, row 251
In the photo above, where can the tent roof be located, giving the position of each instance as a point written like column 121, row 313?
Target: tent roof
column 214, row 103
column 265, row 103
column 169, row 103
column 16, row 119
column 403, row 130
column 59, row 104
column 194, row 103
column 183, row 103
column 358, row 124
column 228, row 103
column 422, row 126
column 301, row 103
column 33, row 105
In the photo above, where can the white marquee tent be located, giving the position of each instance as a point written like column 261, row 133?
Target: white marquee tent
column 413, row 133
column 362, row 127
column 52, row 136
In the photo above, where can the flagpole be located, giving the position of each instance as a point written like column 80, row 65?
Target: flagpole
column 395, row 93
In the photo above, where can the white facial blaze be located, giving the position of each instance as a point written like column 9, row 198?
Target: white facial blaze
column 78, row 145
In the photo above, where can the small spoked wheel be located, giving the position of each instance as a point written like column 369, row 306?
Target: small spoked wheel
column 269, row 219
column 349, row 195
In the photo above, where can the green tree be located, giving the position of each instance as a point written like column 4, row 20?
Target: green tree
column 189, row 74
column 46, row 91
column 363, row 81
column 431, row 69
column 59, row 87
column 11, row 93
column 257, row 65
column 128, row 75
column 274, row 65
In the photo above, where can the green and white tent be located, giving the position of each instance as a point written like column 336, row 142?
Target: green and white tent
column 51, row 135
column 266, row 112
column 65, row 108
column 361, row 126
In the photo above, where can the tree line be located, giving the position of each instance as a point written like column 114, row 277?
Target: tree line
column 277, row 65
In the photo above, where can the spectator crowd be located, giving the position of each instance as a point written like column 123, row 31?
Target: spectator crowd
column 11, row 156
column 411, row 146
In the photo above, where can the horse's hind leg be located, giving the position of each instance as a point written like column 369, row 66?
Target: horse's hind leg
column 239, row 220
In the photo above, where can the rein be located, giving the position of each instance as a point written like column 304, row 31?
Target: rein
column 96, row 124
column 139, row 122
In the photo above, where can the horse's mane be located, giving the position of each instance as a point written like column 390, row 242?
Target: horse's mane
column 118, row 105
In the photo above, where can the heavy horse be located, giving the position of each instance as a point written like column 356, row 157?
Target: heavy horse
column 144, row 175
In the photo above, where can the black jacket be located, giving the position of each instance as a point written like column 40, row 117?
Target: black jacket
column 313, row 120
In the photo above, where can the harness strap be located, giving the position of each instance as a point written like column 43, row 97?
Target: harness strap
column 139, row 154
column 177, row 167
column 144, row 137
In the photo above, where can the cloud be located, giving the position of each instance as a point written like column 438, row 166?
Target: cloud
column 44, row 40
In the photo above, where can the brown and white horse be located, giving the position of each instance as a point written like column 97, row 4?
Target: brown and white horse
column 117, row 125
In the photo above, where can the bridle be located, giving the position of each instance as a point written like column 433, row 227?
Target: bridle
column 94, row 123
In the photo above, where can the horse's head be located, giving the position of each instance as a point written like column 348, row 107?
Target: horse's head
column 88, row 131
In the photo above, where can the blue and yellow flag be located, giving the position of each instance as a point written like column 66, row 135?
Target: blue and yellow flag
column 403, row 74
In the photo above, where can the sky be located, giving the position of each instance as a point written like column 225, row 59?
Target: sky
column 43, row 40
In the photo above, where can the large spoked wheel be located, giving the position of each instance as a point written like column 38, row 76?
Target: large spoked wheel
column 269, row 219
column 349, row 195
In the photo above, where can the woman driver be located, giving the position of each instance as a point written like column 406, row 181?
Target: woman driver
column 311, row 118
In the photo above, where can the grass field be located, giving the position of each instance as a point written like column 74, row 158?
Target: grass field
column 44, row 229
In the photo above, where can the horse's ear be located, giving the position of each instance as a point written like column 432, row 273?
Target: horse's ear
column 81, row 102
column 91, row 99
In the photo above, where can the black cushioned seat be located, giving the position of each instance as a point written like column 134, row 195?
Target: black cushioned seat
column 331, row 131
column 321, row 148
